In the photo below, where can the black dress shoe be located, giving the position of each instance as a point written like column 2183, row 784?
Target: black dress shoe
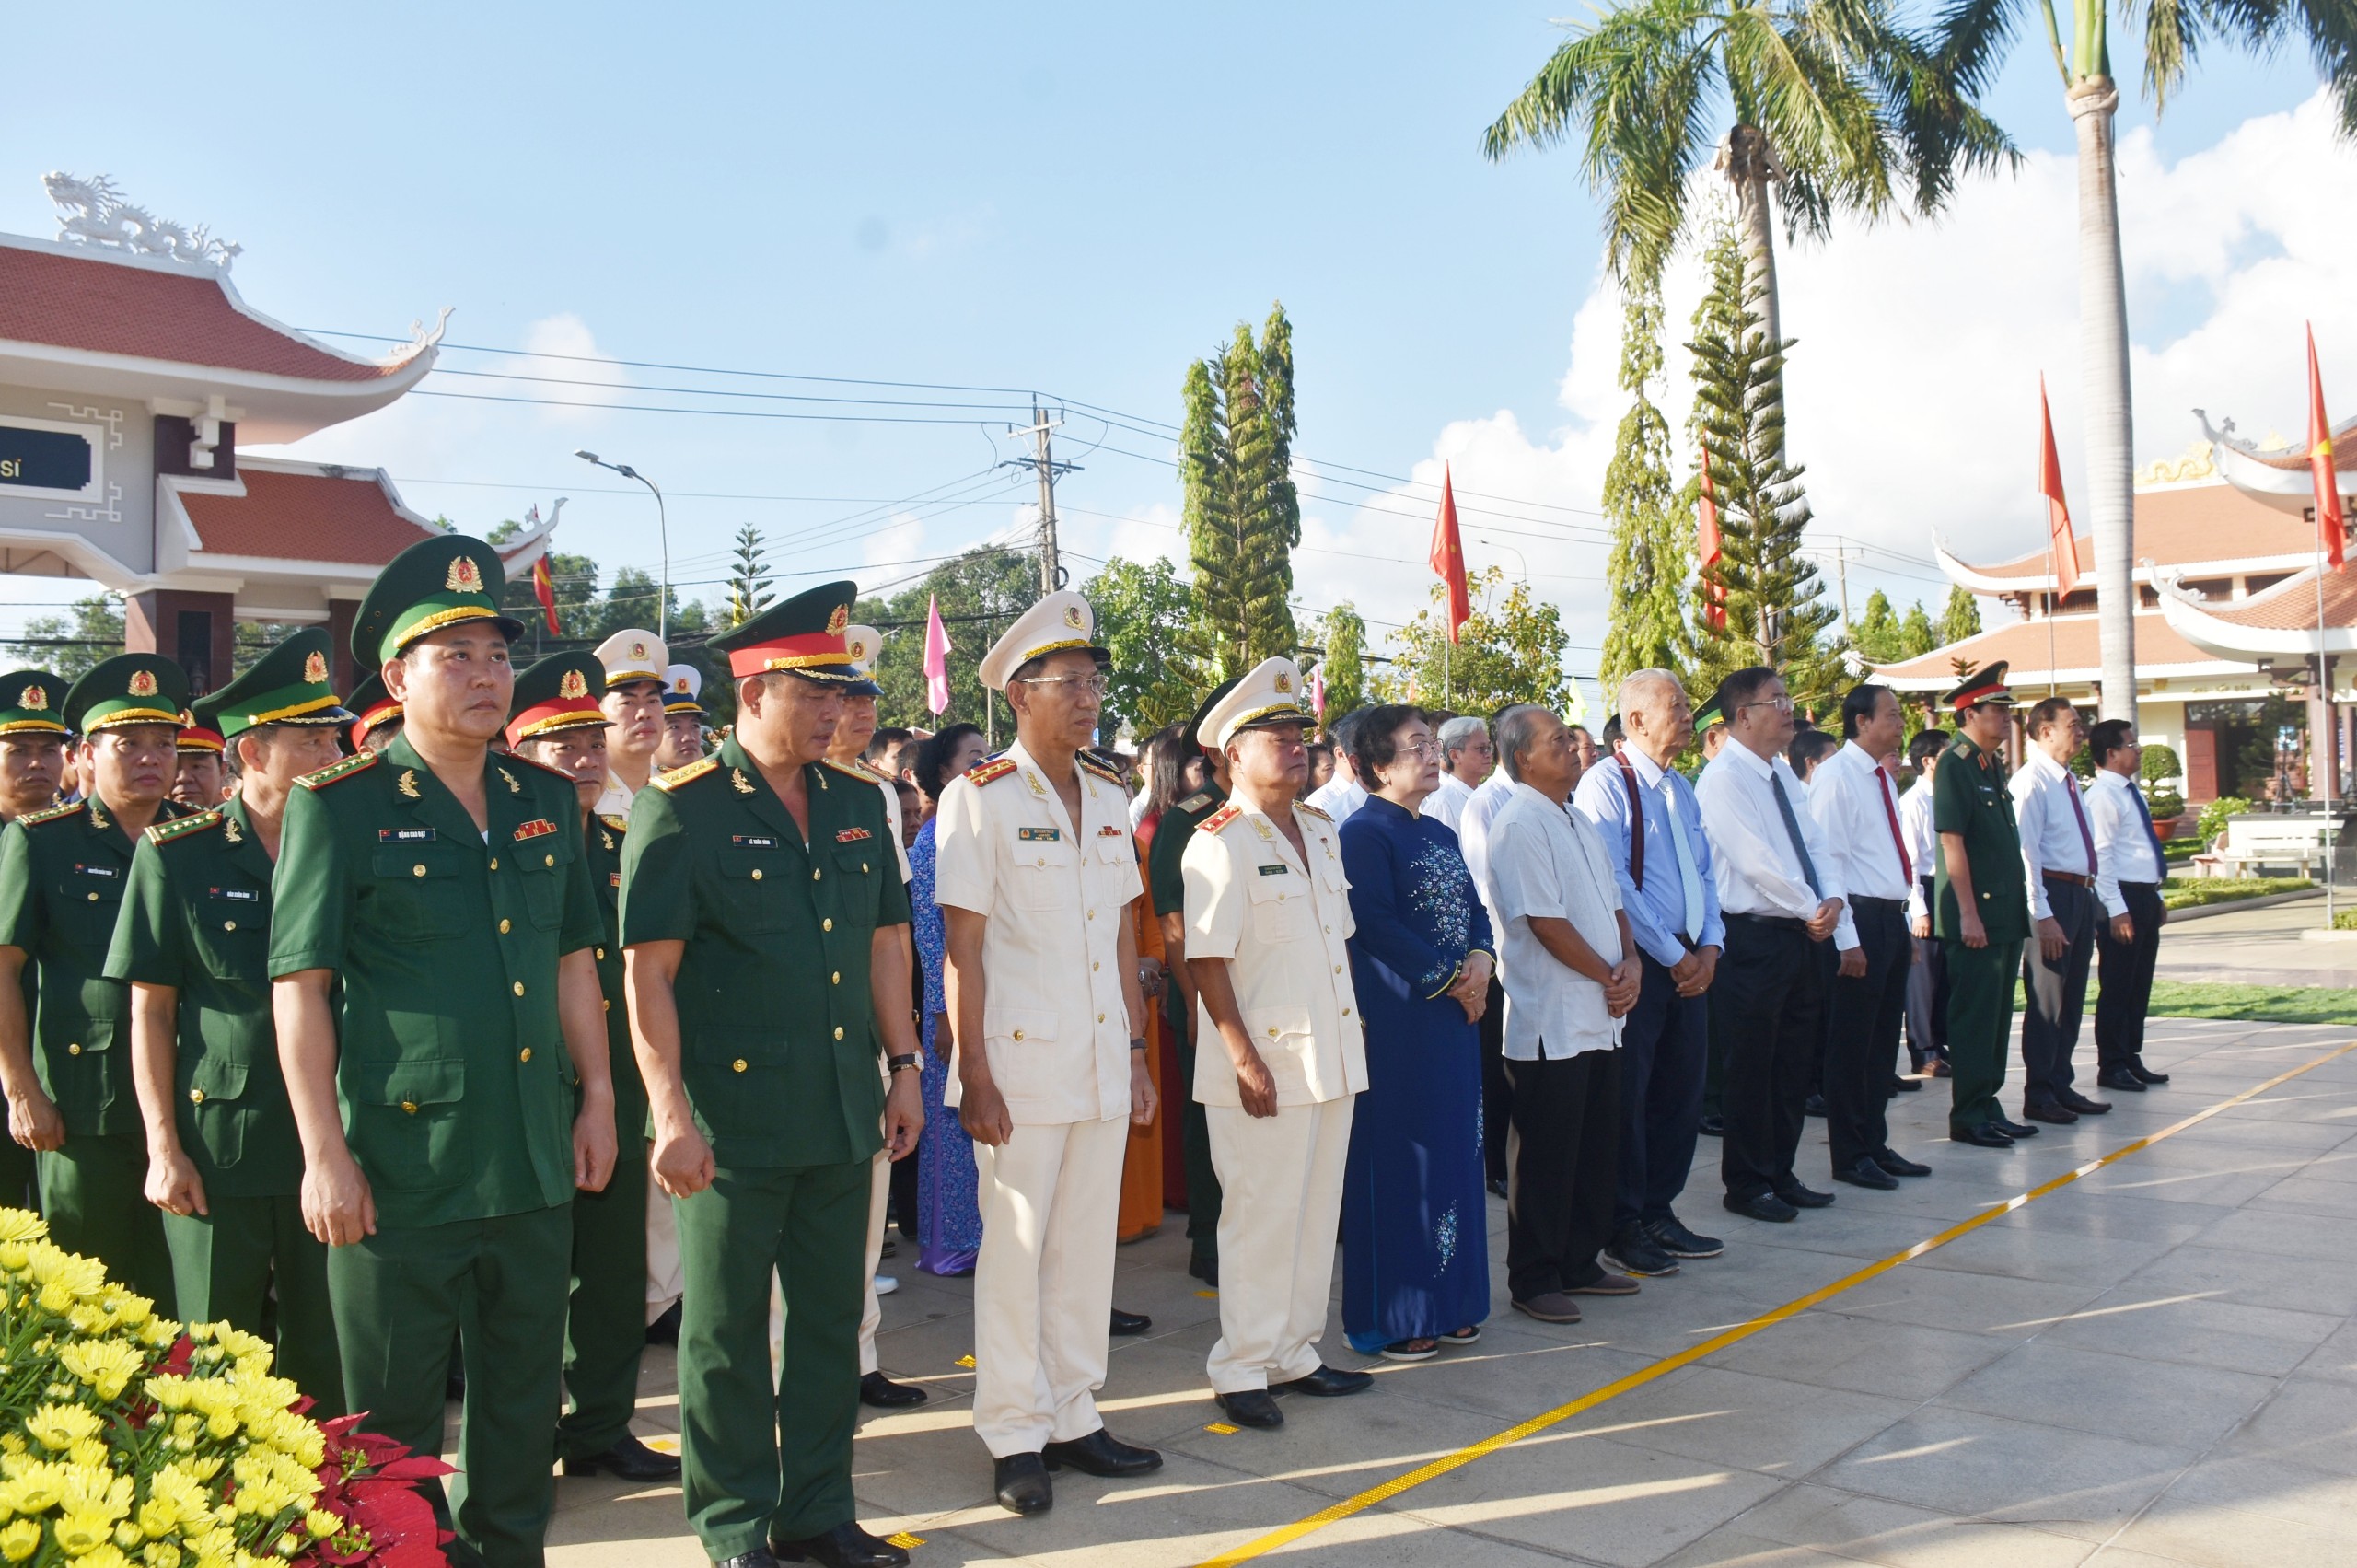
column 2120, row 1080
column 759, row 1557
column 1326, row 1383
column 1802, row 1197
column 1766, row 1206
column 1204, row 1269
column 1867, row 1173
column 1101, row 1452
column 1982, row 1137
column 1252, row 1407
column 1130, row 1322
column 1497, row 1185
column 629, row 1458
column 2080, row 1105
column 880, row 1392
column 2015, row 1130
column 2147, row 1073
column 665, row 1330
column 1712, row 1126
column 1020, row 1483
column 1814, row 1105
column 1905, row 1086
column 1670, row 1236
column 846, row 1546
column 1894, row 1165
column 1940, row 1069
column 2050, row 1111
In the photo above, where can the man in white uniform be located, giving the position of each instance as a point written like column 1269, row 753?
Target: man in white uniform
column 683, row 717
column 1342, row 793
column 1036, row 873
column 1267, row 918
column 1927, row 978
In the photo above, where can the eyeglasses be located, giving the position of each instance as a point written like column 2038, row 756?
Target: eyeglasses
column 1416, row 750
column 1781, row 704
column 1094, row 685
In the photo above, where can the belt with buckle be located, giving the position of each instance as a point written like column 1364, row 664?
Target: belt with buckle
column 2070, row 877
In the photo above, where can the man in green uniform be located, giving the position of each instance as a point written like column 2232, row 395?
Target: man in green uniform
column 1167, row 882
column 32, row 765
column 444, row 1129
column 766, row 927
column 557, row 722
column 1983, row 911
column 61, row 878
column 193, row 943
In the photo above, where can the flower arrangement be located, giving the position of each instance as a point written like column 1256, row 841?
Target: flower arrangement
column 130, row 1441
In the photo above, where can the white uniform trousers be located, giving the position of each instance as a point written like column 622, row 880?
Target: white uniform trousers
column 879, row 1199
column 1281, row 1210
column 1050, row 1202
column 666, row 1278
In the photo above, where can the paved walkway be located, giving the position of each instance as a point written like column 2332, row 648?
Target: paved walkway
column 2261, row 947
column 2153, row 1365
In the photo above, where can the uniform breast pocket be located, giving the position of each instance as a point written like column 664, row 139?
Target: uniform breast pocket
column 752, row 888
column 213, row 1090
column 233, row 932
column 1044, row 875
column 856, row 865
column 89, row 899
column 405, row 1122
column 545, row 862
column 1283, row 1037
column 417, row 895
column 1280, row 907
column 1334, row 891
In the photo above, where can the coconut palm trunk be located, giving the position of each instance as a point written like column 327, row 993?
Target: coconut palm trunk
column 2109, row 412
column 1748, row 160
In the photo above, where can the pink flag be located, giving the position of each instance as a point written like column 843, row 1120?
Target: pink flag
column 936, row 658
column 1318, row 691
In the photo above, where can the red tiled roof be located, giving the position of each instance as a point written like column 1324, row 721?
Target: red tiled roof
column 2189, row 527
column 2292, row 605
column 304, row 516
column 101, row 306
column 2023, row 643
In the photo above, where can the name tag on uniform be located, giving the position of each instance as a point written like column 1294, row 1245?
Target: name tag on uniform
column 1273, row 871
column 1039, row 835
column 751, row 841
column 237, row 895
column 852, row 835
column 88, row 870
column 405, row 835
column 538, row 828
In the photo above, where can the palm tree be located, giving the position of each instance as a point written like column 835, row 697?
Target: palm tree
column 1974, row 35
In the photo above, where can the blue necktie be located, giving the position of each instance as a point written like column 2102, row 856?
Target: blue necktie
column 1792, row 826
column 2144, row 815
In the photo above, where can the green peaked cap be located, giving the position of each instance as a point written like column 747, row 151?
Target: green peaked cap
column 290, row 684
column 32, row 702
column 433, row 584
column 128, row 688
column 802, row 635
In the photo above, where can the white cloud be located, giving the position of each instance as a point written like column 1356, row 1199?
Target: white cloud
column 902, row 539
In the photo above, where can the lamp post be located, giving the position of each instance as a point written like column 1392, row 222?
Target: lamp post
column 663, row 532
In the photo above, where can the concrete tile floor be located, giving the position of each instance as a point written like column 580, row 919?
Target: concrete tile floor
column 2151, row 1367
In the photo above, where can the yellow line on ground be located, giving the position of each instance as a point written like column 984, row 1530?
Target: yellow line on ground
column 1384, row 1492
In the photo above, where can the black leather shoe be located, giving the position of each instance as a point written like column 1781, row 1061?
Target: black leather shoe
column 759, row 1557
column 1712, row 1126
column 1633, row 1252
column 1101, row 1452
column 630, row 1459
column 1814, row 1105
column 1766, row 1206
column 1326, row 1383
column 2147, row 1073
column 2016, row 1130
column 1021, row 1485
column 1940, row 1069
column 1980, row 1137
column 2120, row 1080
column 1130, row 1322
column 1802, row 1197
column 1252, row 1407
column 2049, row 1111
column 1679, row 1242
column 1905, row 1086
column 846, row 1546
column 880, row 1392
column 1894, row 1165
column 665, row 1330
column 1867, row 1173
column 1204, row 1269
column 2080, row 1105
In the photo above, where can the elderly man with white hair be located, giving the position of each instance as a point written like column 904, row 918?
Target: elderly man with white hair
column 1465, row 758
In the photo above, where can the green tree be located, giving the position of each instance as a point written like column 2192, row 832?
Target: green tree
column 1509, row 650
column 1344, row 661
column 1242, row 515
column 574, row 577
column 631, row 602
column 1961, row 619
column 980, row 593
column 1916, row 636
column 1142, row 614
column 1645, row 576
column 1877, row 634
column 72, row 644
column 749, row 590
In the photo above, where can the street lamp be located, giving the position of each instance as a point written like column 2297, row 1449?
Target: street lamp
column 663, row 531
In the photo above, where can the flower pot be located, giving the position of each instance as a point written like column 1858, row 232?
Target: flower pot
column 2165, row 828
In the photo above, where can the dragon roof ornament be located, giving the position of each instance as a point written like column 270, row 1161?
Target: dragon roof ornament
column 93, row 211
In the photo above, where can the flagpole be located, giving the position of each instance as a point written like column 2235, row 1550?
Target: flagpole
column 2054, row 566
column 2324, row 711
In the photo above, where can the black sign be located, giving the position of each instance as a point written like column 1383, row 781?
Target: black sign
column 44, row 459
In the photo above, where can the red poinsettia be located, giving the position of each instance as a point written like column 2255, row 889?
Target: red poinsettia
column 370, row 1482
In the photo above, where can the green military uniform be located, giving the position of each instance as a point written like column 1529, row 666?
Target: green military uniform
column 780, row 1069
column 457, row 1093
column 63, row 873
column 605, row 1325
column 1969, row 798
column 196, row 918
column 32, row 702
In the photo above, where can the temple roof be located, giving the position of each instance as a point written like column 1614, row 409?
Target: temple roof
column 306, row 512
column 2160, row 651
column 2275, row 472
column 2203, row 529
column 2277, row 622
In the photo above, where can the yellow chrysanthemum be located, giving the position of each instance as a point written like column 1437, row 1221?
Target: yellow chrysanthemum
column 61, row 1426
column 160, row 1554
column 107, row 1365
column 106, row 1556
column 21, row 1224
column 321, row 1524
column 83, row 1530
column 89, row 1452
column 20, row 1540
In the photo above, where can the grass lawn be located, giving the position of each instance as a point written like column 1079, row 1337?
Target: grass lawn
column 2254, row 1003
column 2192, row 891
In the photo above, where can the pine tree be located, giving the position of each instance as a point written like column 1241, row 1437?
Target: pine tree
column 1345, row 661
column 1645, row 573
column 1916, row 637
column 1875, row 637
column 1962, row 617
column 748, row 581
column 1242, row 515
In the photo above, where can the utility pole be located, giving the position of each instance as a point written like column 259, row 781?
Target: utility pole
column 1042, row 462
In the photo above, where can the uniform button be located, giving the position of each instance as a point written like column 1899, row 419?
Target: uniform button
column 1330, row 931
column 525, row 1054
column 417, row 871
column 409, row 1107
column 601, row 953
column 1273, row 1034
column 739, row 1064
column 605, row 1006
column 228, row 925
column 1092, row 969
column 196, row 1097
column 827, row 924
column 1092, row 914
column 502, row 928
column 815, row 874
column 94, row 898
column 494, row 863
column 757, row 875
column 75, row 1049
column 548, row 860
column 1041, row 861
column 1346, row 1012
column 1018, row 1034
column 836, row 978
column 839, row 1031
column 519, row 987
column 863, row 868
column 1337, row 969
column 1100, row 1017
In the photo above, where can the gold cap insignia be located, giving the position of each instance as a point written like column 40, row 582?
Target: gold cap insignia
column 36, row 699
column 1284, row 682
column 680, row 684
column 638, row 650
column 1072, row 616
column 574, row 684
column 315, row 668
column 188, row 719
column 840, row 619
column 465, row 578
column 143, row 684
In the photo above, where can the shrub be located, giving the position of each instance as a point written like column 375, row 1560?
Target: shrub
column 2214, row 815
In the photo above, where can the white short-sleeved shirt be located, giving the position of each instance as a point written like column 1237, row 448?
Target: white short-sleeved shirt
column 1053, row 892
column 1447, row 802
column 1548, row 862
column 1284, row 926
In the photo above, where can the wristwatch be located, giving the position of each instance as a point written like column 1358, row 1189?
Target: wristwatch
column 1137, row 1043
column 905, row 1064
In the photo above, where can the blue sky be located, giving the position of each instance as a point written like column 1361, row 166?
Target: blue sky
column 1077, row 199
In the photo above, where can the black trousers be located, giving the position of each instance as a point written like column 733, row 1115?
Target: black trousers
column 1862, row 1045
column 2126, row 968
column 1662, row 1046
column 2056, row 993
column 1562, row 1152
column 1497, row 1091
column 1765, row 1006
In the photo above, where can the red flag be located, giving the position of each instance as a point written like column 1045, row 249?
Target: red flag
column 544, row 589
column 1706, row 530
column 1448, row 556
column 2059, row 539
column 2328, row 529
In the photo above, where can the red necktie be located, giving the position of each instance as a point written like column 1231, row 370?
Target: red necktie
column 1890, row 815
column 2080, row 812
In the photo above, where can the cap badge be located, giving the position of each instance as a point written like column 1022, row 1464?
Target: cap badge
column 840, row 619
column 1284, row 682
column 680, row 685
column 638, row 650
column 143, row 684
column 465, row 578
column 315, row 668
column 35, row 699
column 188, row 719
column 575, row 684
column 1072, row 616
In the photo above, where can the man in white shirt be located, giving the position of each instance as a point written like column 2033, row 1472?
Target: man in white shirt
column 2059, row 864
column 1573, row 975
column 2130, row 869
column 1284, row 1056
column 1341, row 795
column 1497, row 1094
column 1857, row 816
column 1465, row 758
column 1781, row 896
column 1927, row 980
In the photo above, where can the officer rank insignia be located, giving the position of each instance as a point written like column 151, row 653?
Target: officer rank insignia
column 165, row 832
column 852, row 835
column 617, row 823
column 687, row 775
column 987, row 773
column 359, row 762
column 737, row 781
column 538, row 827
column 407, row 783
column 1220, row 819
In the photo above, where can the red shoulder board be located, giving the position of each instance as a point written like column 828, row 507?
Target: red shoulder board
column 983, row 772
column 1220, row 819
column 1314, row 811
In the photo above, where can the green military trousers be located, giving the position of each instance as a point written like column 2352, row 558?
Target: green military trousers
column 94, row 1194
column 1980, row 1026
column 768, row 1458
column 400, row 1296
column 226, row 1266
column 605, row 1331
column 1194, row 1136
